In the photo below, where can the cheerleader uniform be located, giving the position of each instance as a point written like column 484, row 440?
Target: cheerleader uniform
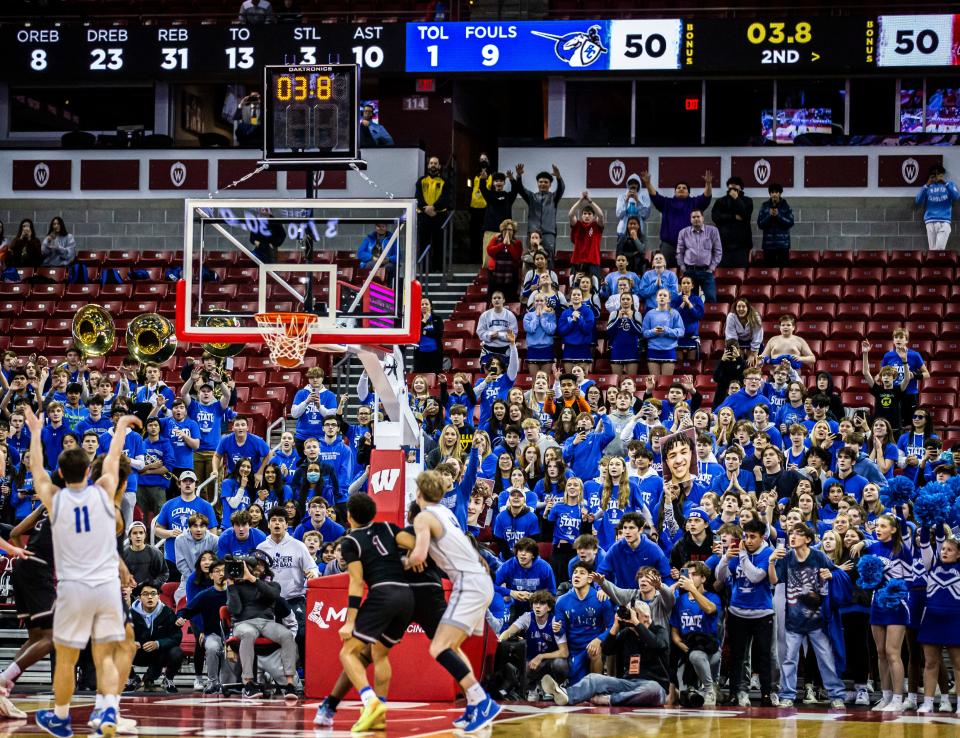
column 623, row 338
column 896, row 566
column 540, row 331
column 577, row 334
column 938, row 624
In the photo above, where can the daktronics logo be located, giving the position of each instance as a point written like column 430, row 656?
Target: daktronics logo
column 384, row 480
column 332, row 615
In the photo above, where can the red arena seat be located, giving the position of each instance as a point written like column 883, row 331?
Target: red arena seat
column 831, row 258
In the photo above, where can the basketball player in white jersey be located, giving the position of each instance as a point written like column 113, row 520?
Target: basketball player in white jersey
column 89, row 604
column 439, row 534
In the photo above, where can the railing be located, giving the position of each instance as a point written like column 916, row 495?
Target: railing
column 423, row 259
column 448, row 244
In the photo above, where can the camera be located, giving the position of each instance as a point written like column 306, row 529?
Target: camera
column 623, row 613
column 233, row 566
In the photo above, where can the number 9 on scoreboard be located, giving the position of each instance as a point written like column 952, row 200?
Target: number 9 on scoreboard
column 917, row 41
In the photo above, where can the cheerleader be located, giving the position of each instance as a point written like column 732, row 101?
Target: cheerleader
column 889, row 624
column 662, row 327
column 576, row 329
column 540, row 325
column 624, row 332
column 553, row 299
column 690, row 307
column 938, row 626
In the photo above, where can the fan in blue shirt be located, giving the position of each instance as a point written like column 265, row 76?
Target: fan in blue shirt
column 318, row 521
column 586, row 622
column 239, row 539
column 184, row 435
column 241, row 445
column 207, row 411
column 175, row 513
column 311, row 405
column 516, row 522
column 632, row 551
column 133, row 449
column 523, row 574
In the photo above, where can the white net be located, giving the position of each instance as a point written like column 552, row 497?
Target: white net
column 287, row 336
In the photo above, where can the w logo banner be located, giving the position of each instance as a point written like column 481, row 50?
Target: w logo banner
column 384, row 480
column 178, row 174
column 41, row 175
column 910, row 170
column 761, row 171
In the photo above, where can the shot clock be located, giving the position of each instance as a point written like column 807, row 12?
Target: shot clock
column 310, row 113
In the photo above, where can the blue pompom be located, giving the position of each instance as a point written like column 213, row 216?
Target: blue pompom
column 953, row 487
column 870, row 570
column 898, row 491
column 933, row 505
column 892, row 595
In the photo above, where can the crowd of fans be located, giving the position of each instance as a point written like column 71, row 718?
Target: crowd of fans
column 646, row 548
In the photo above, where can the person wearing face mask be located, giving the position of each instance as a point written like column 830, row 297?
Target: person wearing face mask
column 434, row 199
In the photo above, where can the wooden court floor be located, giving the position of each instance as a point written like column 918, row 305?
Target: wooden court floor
column 222, row 718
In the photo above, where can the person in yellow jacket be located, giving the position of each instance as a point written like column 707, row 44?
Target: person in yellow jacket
column 478, row 206
column 434, row 200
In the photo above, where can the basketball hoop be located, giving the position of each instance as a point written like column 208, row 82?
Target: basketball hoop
column 287, row 335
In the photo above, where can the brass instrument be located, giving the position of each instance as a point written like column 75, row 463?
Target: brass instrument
column 93, row 330
column 222, row 351
column 151, row 337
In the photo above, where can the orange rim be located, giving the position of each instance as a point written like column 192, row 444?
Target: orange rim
column 292, row 322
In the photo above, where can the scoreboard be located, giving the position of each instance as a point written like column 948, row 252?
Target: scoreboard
column 73, row 52
column 70, row 52
column 526, row 46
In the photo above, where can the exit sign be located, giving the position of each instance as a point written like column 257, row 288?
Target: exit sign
column 691, row 103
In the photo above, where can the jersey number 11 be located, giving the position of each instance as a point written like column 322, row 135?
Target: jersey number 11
column 82, row 518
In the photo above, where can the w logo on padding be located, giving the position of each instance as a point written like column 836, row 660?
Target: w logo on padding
column 617, row 171
column 910, row 169
column 41, row 175
column 384, row 480
column 178, row 174
column 761, row 171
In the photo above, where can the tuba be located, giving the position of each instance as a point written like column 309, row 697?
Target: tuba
column 222, row 351
column 151, row 337
column 93, row 330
